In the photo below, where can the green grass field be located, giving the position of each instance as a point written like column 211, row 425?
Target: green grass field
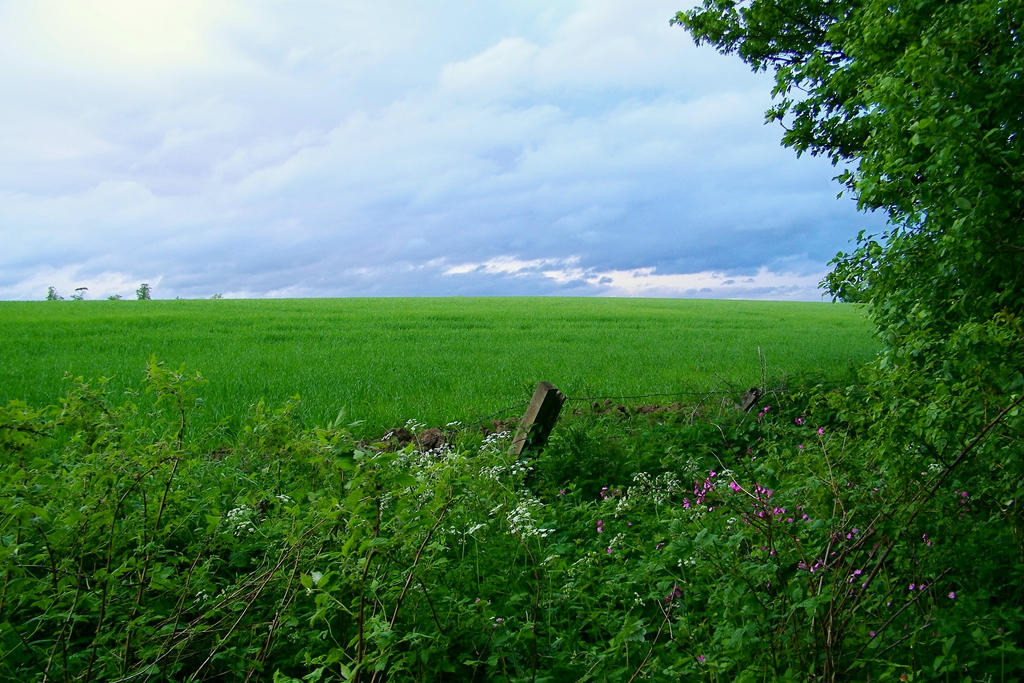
column 437, row 360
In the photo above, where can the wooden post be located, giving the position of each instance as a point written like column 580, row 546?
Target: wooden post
column 750, row 399
column 539, row 419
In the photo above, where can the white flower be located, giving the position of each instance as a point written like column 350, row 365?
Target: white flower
column 522, row 520
column 241, row 520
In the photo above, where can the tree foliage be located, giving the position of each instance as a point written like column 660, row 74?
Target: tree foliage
column 921, row 103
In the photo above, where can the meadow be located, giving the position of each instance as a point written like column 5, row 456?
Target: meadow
column 383, row 361
column 141, row 540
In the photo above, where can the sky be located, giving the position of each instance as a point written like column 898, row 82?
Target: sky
column 314, row 148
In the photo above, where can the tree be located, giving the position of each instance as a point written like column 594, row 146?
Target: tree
column 79, row 294
column 921, row 105
column 52, row 295
column 144, row 292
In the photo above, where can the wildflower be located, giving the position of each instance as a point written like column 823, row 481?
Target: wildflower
column 660, row 546
column 952, row 595
column 734, row 486
column 522, row 519
column 600, row 527
column 800, row 447
column 911, row 586
column 608, row 550
column 871, row 633
column 799, row 421
column 700, row 658
column 821, row 430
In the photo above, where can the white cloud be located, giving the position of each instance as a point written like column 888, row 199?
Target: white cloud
column 67, row 279
column 761, row 283
column 328, row 149
column 509, row 265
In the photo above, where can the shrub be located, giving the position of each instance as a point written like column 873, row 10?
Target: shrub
column 770, row 545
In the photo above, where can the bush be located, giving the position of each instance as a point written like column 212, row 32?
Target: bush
column 767, row 545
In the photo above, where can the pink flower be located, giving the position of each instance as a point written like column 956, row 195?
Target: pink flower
column 952, row 595
column 700, row 658
column 821, row 430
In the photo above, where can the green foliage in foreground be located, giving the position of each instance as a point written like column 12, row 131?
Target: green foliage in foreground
column 921, row 104
column 689, row 545
column 384, row 361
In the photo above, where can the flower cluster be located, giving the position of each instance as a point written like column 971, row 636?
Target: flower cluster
column 660, row 489
column 515, row 469
column 522, row 518
column 762, row 506
column 495, row 442
column 701, row 491
column 241, row 521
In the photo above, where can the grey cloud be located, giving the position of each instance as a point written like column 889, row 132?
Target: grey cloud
column 324, row 151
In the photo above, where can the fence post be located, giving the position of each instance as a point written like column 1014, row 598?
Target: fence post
column 539, row 419
column 750, row 399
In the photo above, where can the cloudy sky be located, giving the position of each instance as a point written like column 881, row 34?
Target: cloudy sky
column 312, row 148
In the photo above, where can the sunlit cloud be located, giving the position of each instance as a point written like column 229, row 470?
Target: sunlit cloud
column 363, row 149
column 762, row 283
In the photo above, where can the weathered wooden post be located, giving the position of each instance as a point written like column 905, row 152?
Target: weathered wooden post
column 539, row 419
column 750, row 399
